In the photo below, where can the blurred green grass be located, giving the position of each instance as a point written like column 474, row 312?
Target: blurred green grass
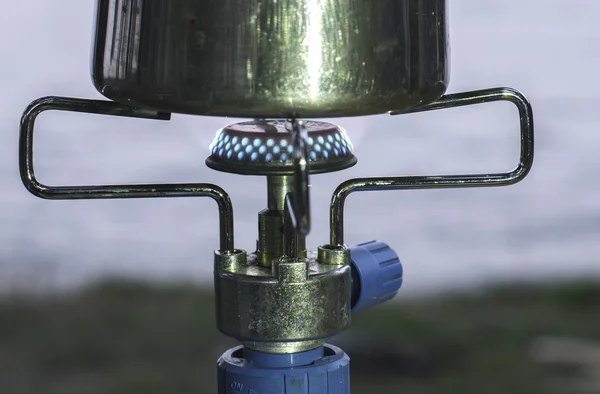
column 129, row 338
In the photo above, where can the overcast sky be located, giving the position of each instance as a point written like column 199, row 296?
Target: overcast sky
column 547, row 225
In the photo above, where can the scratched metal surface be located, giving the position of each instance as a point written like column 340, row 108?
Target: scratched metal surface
column 548, row 226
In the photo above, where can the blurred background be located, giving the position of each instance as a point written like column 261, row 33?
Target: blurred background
column 500, row 290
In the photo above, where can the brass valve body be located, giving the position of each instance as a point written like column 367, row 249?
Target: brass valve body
column 292, row 306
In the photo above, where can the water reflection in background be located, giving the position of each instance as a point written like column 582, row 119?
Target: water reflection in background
column 548, row 225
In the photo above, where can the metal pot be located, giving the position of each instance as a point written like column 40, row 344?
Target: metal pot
column 272, row 58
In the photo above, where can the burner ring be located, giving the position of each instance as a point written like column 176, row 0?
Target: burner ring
column 264, row 147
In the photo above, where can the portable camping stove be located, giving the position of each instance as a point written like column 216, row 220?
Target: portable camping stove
column 247, row 59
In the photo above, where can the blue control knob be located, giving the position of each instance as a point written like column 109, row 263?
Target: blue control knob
column 376, row 274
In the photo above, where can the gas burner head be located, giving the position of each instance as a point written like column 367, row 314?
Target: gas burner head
column 265, row 147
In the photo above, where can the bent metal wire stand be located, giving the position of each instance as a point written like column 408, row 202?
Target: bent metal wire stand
column 283, row 302
column 449, row 181
column 103, row 107
column 215, row 192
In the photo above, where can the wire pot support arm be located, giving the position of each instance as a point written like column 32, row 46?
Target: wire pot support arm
column 102, row 107
column 447, row 181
